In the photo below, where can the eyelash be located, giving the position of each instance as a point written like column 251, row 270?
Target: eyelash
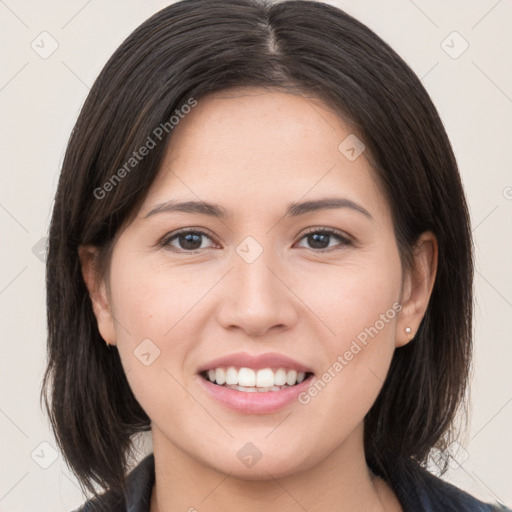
column 164, row 243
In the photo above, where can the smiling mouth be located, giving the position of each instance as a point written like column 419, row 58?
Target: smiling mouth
column 253, row 381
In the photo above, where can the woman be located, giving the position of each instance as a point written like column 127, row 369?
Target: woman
column 260, row 251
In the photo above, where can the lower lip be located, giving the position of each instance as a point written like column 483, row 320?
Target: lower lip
column 255, row 402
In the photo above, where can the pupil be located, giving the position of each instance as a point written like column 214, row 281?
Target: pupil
column 190, row 238
column 316, row 238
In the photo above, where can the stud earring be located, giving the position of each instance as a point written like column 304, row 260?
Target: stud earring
column 408, row 330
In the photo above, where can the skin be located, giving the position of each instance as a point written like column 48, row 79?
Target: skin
column 253, row 152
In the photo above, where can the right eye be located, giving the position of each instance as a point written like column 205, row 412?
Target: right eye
column 185, row 241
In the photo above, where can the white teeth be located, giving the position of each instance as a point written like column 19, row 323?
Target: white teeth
column 220, row 376
column 291, row 377
column 259, row 390
column 246, row 377
column 264, row 379
column 280, row 377
column 247, row 390
column 231, row 375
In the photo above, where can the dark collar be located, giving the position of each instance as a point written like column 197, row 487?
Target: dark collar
column 139, row 485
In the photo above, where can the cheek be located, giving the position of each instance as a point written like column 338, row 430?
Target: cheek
column 360, row 306
column 157, row 310
column 151, row 309
column 152, row 299
column 352, row 297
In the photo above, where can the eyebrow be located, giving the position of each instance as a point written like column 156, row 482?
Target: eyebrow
column 293, row 209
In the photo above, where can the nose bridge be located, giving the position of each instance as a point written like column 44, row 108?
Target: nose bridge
column 258, row 299
column 256, row 281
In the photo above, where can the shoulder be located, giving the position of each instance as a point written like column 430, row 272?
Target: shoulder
column 136, row 496
column 109, row 501
column 419, row 490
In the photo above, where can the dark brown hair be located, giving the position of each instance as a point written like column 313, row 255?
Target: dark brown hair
column 188, row 50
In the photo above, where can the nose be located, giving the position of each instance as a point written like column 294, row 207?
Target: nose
column 256, row 297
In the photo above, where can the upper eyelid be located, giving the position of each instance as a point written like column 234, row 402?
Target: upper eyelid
column 332, row 231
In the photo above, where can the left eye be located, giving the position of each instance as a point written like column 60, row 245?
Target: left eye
column 319, row 237
column 191, row 240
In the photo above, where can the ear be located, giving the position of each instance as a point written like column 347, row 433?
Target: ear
column 417, row 287
column 96, row 285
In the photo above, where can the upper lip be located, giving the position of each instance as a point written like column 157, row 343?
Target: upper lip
column 257, row 362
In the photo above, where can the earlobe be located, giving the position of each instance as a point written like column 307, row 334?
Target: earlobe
column 417, row 288
column 88, row 255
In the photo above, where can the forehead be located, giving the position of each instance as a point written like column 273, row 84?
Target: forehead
column 253, row 148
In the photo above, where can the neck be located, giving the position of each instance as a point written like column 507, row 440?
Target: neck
column 342, row 481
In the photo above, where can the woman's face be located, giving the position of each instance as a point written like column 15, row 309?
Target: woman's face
column 256, row 281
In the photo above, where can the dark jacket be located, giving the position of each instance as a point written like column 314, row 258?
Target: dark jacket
column 416, row 489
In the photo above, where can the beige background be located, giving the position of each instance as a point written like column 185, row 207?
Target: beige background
column 40, row 99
